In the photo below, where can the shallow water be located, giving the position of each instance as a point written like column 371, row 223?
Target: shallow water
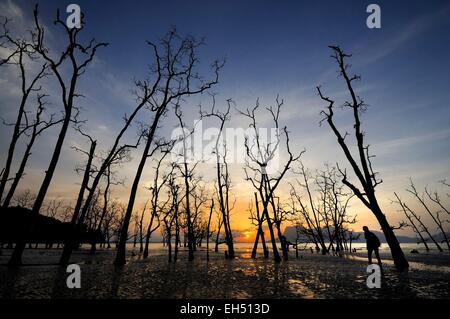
column 310, row 276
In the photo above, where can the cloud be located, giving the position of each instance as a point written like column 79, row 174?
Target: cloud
column 11, row 10
column 394, row 145
column 404, row 35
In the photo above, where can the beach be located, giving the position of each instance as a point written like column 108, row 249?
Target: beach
column 311, row 276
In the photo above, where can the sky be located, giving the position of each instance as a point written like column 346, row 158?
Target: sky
column 271, row 48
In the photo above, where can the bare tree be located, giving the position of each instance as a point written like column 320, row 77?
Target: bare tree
column 158, row 183
column 187, row 172
column 101, row 215
column 218, row 240
column 199, row 223
column 332, row 206
column 412, row 224
column 222, row 174
column 208, row 234
column 434, row 216
column 444, row 183
column 310, row 211
column 364, row 171
column 24, row 199
column 435, row 198
column 258, row 220
column 37, row 127
column 70, row 239
column 176, row 66
column 174, row 190
column 260, row 156
column 79, row 56
column 21, row 51
column 304, row 218
column 141, row 228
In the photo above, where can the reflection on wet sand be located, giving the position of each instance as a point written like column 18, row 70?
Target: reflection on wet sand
column 309, row 276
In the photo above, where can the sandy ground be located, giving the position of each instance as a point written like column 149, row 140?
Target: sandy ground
column 310, row 276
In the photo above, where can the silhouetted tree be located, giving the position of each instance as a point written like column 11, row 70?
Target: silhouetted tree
column 21, row 53
column 158, row 183
column 411, row 223
column 434, row 216
column 141, row 227
column 222, row 174
column 71, row 237
column 24, row 199
column 435, row 198
column 260, row 156
column 208, row 234
column 363, row 170
column 258, row 220
column 176, row 68
column 78, row 56
column 218, row 240
column 101, row 215
column 36, row 127
column 187, row 172
column 310, row 211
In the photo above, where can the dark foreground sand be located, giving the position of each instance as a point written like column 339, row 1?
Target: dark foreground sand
column 310, row 276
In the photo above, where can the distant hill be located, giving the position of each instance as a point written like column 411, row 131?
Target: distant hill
column 15, row 223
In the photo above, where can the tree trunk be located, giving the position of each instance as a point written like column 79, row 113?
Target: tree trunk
column 120, row 256
column 70, row 240
column 16, row 257
column 397, row 253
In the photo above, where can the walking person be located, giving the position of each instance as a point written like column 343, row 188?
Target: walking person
column 373, row 245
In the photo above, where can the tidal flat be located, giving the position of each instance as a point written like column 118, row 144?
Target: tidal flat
column 310, row 276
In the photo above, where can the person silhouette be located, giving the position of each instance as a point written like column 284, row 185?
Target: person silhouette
column 373, row 244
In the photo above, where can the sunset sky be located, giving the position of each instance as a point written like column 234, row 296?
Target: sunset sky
column 271, row 47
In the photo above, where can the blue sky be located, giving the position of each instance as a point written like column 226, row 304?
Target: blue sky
column 274, row 47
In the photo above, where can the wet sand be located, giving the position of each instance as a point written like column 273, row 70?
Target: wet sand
column 310, row 276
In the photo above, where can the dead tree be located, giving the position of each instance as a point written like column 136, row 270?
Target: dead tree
column 435, row 198
column 222, row 174
column 219, row 227
column 444, row 183
column 258, row 220
column 24, row 199
column 333, row 206
column 260, row 157
column 69, row 242
column 303, row 218
column 168, row 220
column 110, row 180
column 434, row 216
column 208, row 234
column 199, row 224
column 158, row 184
column 141, row 228
column 109, row 221
column 176, row 66
column 310, row 212
column 21, row 52
column 422, row 224
column 411, row 223
column 170, row 216
column 174, row 189
column 38, row 126
column 363, row 170
column 351, row 238
column 78, row 56
column 187, row 173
